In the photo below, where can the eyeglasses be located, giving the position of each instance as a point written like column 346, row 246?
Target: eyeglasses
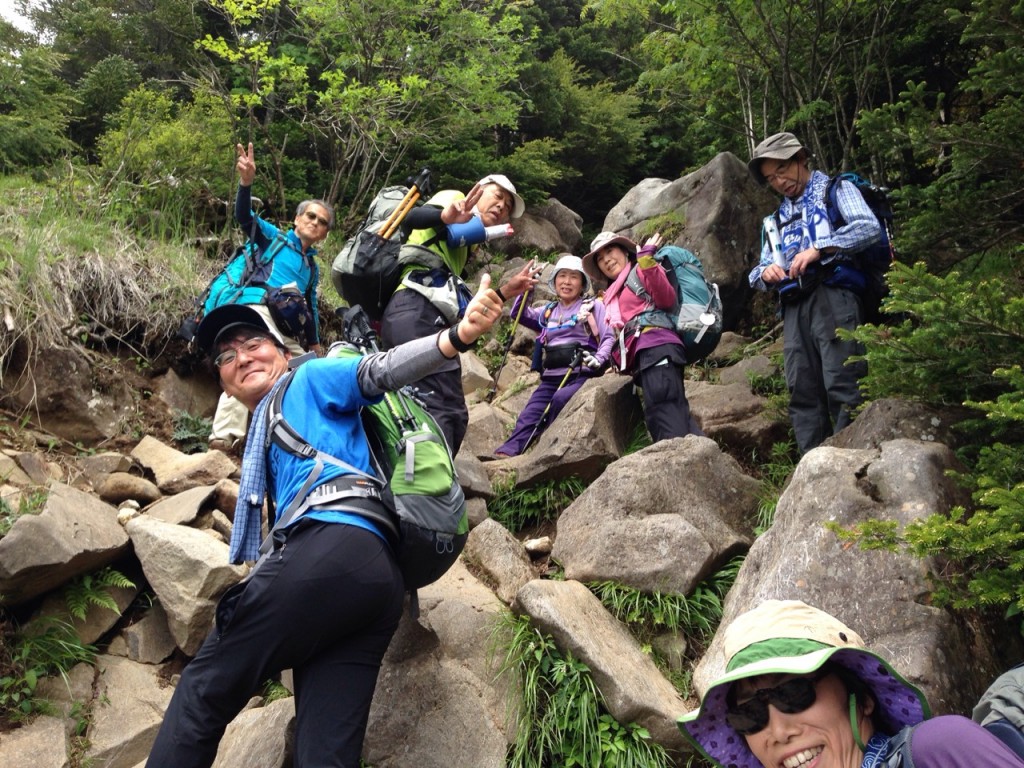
column 789, row 697
column 249, row 346
column 783, row 167
column 318, row 219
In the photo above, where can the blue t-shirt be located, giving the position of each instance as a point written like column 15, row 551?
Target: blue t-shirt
column 322, row 404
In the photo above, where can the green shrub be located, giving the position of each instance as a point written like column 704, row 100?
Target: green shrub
column 515, row 507
column 191, row 433
column 31, row 502
column 696, row 615
column 25, row 658
column 561, row 716
column 774, row 473
column 94, row 589
column 960, row 343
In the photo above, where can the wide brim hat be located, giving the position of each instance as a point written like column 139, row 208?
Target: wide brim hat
column 791, row 637
column 518, row 206
column 226, row 318
column 575, row 263
column 604, row 239
column 778, row 146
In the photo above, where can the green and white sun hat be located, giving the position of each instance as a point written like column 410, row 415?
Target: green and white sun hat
column 791, row 637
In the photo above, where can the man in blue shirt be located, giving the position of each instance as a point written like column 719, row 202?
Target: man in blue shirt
column 327, row 599
column 810, row 263
column 290, row 261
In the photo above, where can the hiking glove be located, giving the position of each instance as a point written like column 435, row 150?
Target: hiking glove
column 590, row 361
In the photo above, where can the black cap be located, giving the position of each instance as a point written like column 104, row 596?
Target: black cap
column 225, row 318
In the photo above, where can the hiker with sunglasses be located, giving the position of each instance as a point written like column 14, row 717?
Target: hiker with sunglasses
column 801, row 690
column 327, row 597
column 291, row 264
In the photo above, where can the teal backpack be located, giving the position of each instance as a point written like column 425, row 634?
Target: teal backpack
column 426, row 520
column 697, row 315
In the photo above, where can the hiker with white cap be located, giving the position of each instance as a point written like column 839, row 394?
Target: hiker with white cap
column 432, row 294
column 652, row 354
column 802, row 258
column 801, row 690
column 574, row 341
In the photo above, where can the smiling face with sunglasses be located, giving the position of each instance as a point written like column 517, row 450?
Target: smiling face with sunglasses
column 800, row 690
column 798, row 721
column 313, row 221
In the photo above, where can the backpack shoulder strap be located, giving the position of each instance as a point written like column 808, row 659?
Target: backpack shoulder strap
column 898, row 753
column 283, row 435
column 835, row 217
column 635, row 285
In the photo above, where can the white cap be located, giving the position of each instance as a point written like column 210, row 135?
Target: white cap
column 575, row 263
column 518, row 206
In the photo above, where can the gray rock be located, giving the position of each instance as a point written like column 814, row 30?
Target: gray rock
column 73, row 534
column 127, row 711
column 472, row 477
column 721, row 207
column 122, row 486
column 591, row 432
column 149, row 640
column 500, row 557
column 188, row 570
column 737, row 418
column 259, row 737
column 437, row 673
column 883, row 596
column 41, row 743
column 176, row 471
column 183, row 508
column 652, row 521
column 891, row 419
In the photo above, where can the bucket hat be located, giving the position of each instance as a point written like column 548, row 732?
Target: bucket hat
column 590, row 267
column 227, row 318
column 791, row 637
column 575, row 263
column 778, row 146
column 518, row 206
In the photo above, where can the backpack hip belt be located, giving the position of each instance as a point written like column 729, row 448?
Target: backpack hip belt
column 356, row 495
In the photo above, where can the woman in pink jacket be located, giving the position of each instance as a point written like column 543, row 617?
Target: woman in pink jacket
column 654, row 356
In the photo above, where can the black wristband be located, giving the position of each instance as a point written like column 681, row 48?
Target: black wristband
column 500, row 295
column 458, row 343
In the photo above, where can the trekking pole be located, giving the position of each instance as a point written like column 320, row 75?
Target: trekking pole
column 576, row 360
column 416, row 190
column 511, row 337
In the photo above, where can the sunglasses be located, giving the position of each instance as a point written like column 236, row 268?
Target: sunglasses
column 318, row 219
column 789, row 697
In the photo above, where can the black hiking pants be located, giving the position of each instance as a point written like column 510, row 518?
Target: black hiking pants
column 325, row 605
column 409, row 316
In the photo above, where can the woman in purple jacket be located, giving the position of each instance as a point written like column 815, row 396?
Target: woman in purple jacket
column 576, row 342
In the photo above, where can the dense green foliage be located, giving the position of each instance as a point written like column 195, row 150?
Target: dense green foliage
column 578, row 99
column 517, row 508
column 959, row 344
